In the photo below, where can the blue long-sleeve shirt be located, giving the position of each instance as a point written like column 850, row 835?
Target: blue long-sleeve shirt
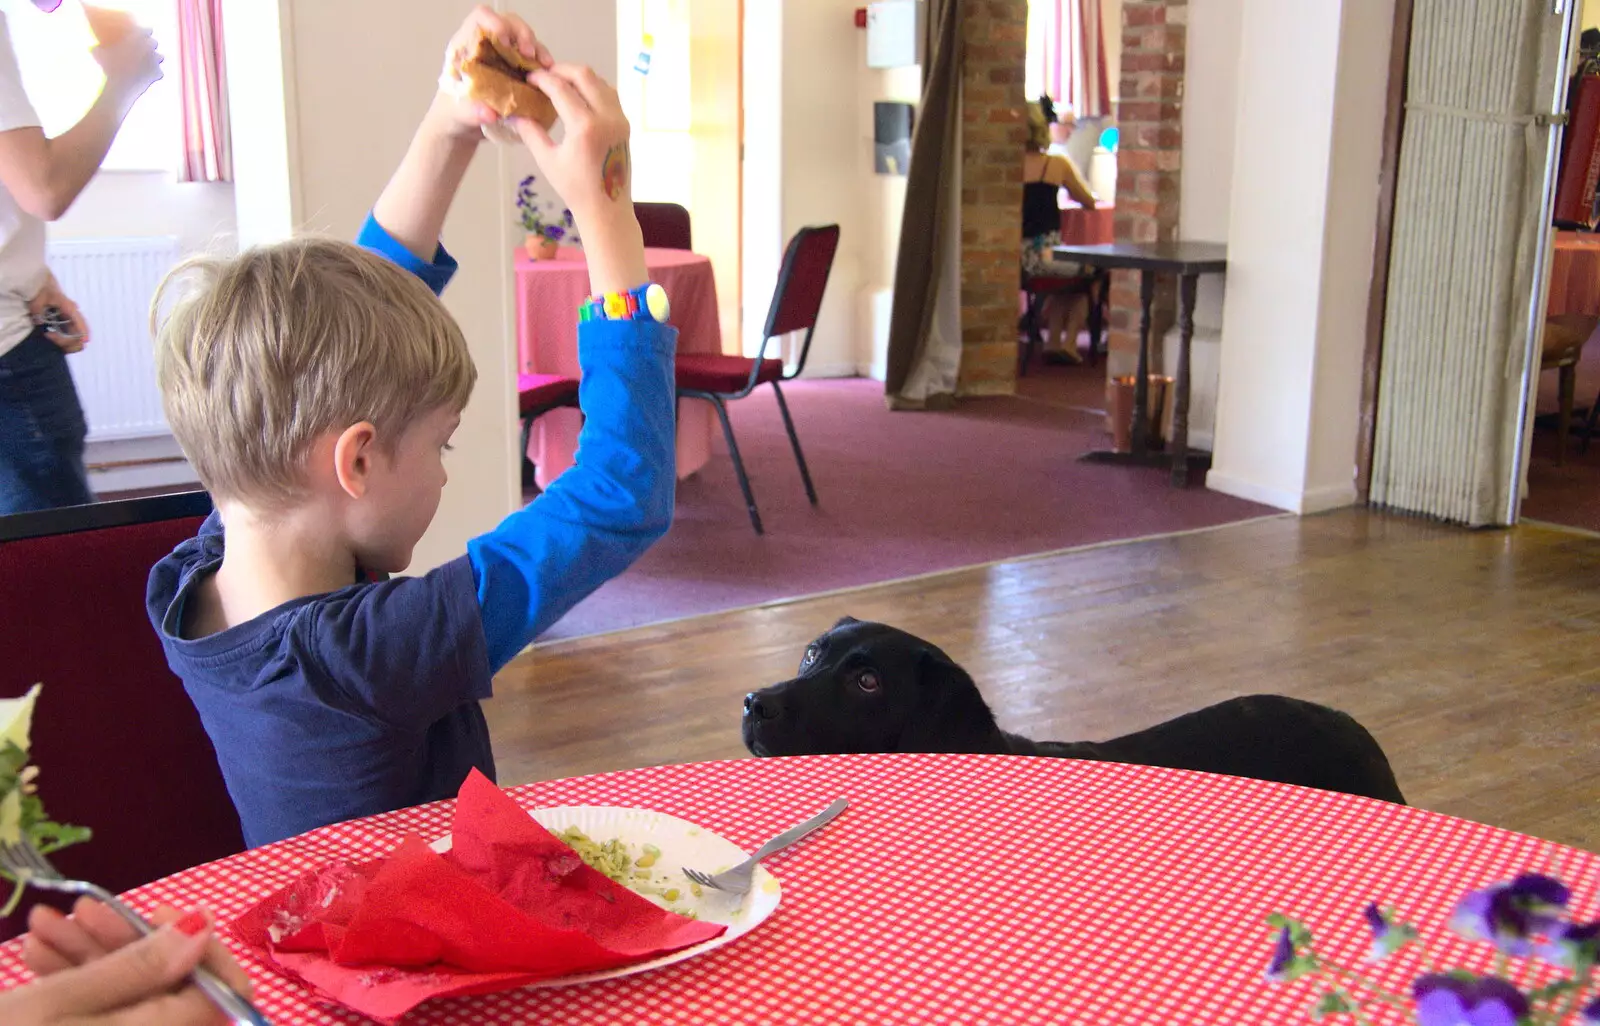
column 365, row 699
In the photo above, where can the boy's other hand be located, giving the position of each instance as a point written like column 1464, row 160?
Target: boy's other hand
column 592, row 169
column 468, row 118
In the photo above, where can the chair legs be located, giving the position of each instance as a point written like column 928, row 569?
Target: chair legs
column 738, row 461
column 719, row 403
column 794, row 442
column 528, row 471
column 1569, row 384
column 1589, row 424
column 1030, row 323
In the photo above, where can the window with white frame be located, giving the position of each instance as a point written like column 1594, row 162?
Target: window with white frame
column 62, row 78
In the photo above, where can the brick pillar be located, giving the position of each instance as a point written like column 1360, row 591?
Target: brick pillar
column 1149, row 161
column 993, row 130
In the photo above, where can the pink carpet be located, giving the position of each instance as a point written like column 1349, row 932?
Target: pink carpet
column 900, row 494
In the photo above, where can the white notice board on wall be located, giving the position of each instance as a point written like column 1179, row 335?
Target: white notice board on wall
column 894, row 33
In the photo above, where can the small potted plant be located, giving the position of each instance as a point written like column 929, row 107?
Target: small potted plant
column 546, row 229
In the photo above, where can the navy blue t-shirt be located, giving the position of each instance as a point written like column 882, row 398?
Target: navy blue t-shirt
column 365, row 699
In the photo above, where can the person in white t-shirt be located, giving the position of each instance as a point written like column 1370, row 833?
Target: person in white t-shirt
column 41, row 422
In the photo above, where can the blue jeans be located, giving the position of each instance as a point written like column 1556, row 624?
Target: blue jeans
column 41, row 430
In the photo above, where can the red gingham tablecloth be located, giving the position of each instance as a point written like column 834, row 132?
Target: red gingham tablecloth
column 974, row 889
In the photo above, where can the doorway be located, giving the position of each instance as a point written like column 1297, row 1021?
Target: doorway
column 680, row 77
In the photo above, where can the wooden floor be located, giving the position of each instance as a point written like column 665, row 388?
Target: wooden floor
column 1472, row 656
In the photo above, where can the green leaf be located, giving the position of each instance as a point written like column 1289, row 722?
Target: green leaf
column 1331, row 1003
column 1299, row 933
column 1299, row 966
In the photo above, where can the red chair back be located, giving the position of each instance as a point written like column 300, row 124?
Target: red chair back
column 1579, row 168
column 801, row 284
column 119, row 745
column 664, row 225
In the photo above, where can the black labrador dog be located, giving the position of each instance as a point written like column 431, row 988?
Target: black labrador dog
column 867, row 687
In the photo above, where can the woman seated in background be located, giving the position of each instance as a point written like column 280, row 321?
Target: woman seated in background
column 1044, row 175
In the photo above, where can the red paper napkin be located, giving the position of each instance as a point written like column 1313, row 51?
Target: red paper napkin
column 509, row 904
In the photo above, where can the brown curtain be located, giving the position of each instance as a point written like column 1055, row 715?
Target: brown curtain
column 928, row 224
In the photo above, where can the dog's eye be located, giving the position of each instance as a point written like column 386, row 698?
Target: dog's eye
column 868, row 681
column 809, row 658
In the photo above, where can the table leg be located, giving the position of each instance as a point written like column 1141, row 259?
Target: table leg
column 1141, row 384
column 1180, row 401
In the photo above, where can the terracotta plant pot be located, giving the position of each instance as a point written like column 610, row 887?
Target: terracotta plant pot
column 540, row 248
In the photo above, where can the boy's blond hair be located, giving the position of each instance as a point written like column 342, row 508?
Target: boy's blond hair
column 267, row 351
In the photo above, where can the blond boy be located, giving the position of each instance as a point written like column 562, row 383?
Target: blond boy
column 315, row 385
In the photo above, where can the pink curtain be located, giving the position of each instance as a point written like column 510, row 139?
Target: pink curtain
column 207, row 144
column 1070, row 54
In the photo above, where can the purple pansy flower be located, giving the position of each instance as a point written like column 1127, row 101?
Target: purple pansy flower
column 1591, row 1013
column 1574, row 946
column 1387, row 937
column 1454, row 1001
column 1282, row 957
column 555, row 233
column 1508, row 915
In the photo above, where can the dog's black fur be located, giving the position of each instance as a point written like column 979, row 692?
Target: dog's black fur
column 867, row 687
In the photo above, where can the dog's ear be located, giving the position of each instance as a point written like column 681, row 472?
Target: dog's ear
column 844, row 621
column 950, row 714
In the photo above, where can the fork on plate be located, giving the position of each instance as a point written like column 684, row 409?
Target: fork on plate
column 738, row 879
column 27, row 866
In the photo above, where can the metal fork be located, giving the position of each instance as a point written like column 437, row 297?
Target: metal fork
column 737, row 880
column 24, row 862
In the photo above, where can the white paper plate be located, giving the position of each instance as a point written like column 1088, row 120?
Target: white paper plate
column 682, row 844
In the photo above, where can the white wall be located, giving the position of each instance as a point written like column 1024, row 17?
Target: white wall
column 826, row 164
column 808, row 159
column 1210, row 115
column 120, row 204
column 1300, row 236
column 884, row 201
column 323, row 145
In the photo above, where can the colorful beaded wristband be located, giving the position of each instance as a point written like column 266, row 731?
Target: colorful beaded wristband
column 648, row 302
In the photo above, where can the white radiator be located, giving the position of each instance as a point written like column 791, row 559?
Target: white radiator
column 113, row 281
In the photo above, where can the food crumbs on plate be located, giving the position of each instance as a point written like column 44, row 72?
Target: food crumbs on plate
column 770, row 886
column 694, row 889
column 671, row 895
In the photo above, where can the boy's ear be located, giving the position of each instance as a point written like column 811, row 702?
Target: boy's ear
column 353, row 451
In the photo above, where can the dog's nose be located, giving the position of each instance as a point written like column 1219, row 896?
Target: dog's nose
column 753, row 706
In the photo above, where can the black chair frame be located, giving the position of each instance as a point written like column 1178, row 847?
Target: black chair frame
column 100, row 515
column 719, row 400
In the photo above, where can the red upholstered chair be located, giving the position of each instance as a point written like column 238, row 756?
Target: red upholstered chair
column 119, row 745
column 664, row 225
column 795, row 304
column 537, row 395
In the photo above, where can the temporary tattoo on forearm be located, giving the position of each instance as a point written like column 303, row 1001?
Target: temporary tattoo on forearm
column 614, row 172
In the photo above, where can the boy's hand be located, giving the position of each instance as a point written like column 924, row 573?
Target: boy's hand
column 465, row 117
column 592, row 169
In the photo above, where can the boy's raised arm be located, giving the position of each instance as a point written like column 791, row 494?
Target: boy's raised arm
column 413, row 205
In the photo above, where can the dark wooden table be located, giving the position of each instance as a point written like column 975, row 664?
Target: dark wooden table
column 1187, row 260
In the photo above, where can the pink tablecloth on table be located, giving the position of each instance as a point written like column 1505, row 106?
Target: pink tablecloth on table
column 962, row 889
column 548, row 295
